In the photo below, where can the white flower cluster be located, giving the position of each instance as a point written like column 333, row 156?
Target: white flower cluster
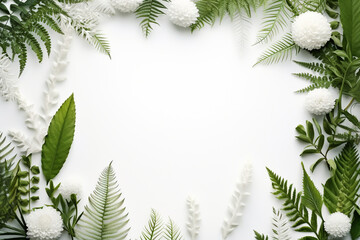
column 311, row 30
column 44, row 224
column 320, row 101
column 70, row 186
column 337, row 225
column 126, row 6
column 182, row 12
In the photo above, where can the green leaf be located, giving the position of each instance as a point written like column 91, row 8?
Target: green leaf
column 172, row 231
column 350, row 19
column 154, row 229
column 259, row 236
column 149, row 11
column 355, row 227
column 104, row 216
column 59, row 139
column 312, row 197
column 340, row 191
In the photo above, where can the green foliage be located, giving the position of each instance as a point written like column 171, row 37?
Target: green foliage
column 259, row 236
column 312, row 198
column 104, row 216
column 149, row 11
column 349, row 15
column 59, row 139
column 172, row 232
column 340, row 191
column 276, row 16
column 154, row 229
column 279, row 51
column 296, row 209
column 208, row 11
column 67, row 208
column 355, row 227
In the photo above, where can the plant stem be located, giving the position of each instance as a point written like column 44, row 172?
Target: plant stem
column 350, row 103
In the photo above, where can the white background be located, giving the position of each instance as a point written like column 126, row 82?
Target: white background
column 178, row 114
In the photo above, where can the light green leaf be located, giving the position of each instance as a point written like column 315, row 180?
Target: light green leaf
column 59, row 139
column 350, row 19
column 154, row 229
column 312, row 197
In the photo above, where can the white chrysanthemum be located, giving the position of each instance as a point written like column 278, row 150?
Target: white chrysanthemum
column 337, row 225
column 182, row 12
column 70, row 186
column 311, row 30
column 126, row 6
column 44, row 224
column 320, row 101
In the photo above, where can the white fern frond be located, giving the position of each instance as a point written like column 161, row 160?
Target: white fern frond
column 24, row 143
column 194, row 220
column 8, row 85
column 281, row 227
column 237, row 203
column 104, row 7
column 241, row 25
column 104, row 216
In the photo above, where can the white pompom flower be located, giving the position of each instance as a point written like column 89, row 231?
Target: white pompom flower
column 126, row 6
column 311, row 30
column 337, row 225
column 44, row 224
column 182, row 12
column 70, row 186
column 320, row 101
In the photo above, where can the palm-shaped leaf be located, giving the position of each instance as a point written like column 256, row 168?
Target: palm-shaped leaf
column 104, row 216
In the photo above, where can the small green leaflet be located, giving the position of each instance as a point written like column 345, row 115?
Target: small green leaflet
column 59, row 139
column 350, row 12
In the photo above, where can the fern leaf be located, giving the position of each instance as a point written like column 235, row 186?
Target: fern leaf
column 193, row 224
column 43, row 34
column 35, row 45
column 312, row 87
column 297, row 213
column 104, row 216
column 208, row 10
column 259, row 236
column 314, row 66
column 172, row 231
column 281, row 227
column 154, row 229
column 149, row 11
column 276, row 17
column 279, row 51
column 340, row 191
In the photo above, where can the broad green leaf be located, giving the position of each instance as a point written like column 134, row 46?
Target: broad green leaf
column 59, row 139
column 312, row 197
column 350, row 19
column 355, row 227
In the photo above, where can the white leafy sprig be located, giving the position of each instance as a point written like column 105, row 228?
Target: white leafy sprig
column 194, row 220
column 237, row 203
column 281, row 227
column 8, row 85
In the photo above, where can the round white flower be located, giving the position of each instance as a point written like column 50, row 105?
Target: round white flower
column 337, row 225
column 70, row 186
column 126, row 6
column 44, row 224
column 182, row 12
column 320, row 101
column 311, row 30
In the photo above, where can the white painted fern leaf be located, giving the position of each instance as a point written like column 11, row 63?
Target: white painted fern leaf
column 194, row 220
column 8, row 85
column 104, row 216
column 281, row 227
column 237, row 203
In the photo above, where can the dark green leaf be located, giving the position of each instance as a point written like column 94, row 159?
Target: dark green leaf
column 312, row 197
column 355, row 227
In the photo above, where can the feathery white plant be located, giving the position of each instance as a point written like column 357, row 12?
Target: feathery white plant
column 104, row 216
column 235, row 209
column 281, row 227
column 194, row 220
column 8, row 87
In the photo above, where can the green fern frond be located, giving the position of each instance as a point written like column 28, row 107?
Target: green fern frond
column 208, row 10
column 149, row 11
column 314, row 66
column 100, row 43
column 44, row 35
column 297, row 213
column 340, row 191
column 259, row 236
column 104, row 216
column 35, row 46
column 312, row 87
column 154, row 229
column 172, row 231
column 276, row 17
column 279, row 51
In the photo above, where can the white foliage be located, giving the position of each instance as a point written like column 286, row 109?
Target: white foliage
column 8, row 85
column 281, row 227
column 237, row 203
column 241, row 25
column 194, row 220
